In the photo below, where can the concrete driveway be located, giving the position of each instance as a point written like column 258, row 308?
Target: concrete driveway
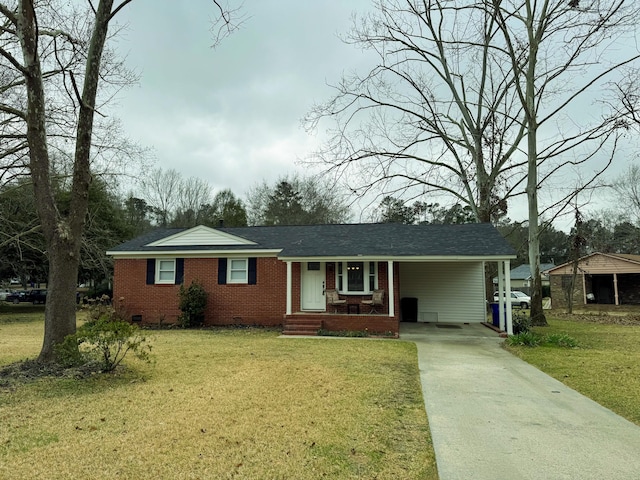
column 493, row 416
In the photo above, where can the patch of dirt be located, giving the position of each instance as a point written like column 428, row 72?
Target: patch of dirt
column 602, row 318
column 28, row 371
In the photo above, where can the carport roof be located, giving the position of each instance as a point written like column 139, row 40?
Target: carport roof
column 329, row 241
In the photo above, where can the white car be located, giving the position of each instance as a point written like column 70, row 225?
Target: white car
column 517, row 298
column 3, row 294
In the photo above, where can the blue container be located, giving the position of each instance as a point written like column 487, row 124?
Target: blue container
column 495, row 314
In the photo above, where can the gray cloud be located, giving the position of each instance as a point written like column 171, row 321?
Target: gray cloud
column 231, row 115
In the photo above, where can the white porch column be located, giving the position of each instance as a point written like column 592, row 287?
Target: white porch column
column 392, row 309
column 501, row 296
column 507, row 288
column 615, row 287
column 289, row 288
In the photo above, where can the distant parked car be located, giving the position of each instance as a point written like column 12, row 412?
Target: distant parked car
column 17, row 296
column 517, row 298
column 3, row 294
column 37, row 296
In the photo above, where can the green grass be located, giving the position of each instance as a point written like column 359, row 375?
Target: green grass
column 221, row 404
column 605, row 366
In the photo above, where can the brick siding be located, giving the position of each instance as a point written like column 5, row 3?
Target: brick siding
column 261, row 304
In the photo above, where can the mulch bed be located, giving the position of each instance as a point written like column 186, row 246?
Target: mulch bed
column 28, row 371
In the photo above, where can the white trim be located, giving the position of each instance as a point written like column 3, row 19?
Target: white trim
column 230, row 270
column 501, row 294
column 507, row 288
column 158, row 280
column 200, row 235
column 390, row 287
column 366, row 274
column 196, row 254
column 399, row 258
column 289, row 288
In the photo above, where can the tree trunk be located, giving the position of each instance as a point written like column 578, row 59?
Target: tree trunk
column 60, row 311
column 63, row 235
column 536, row 313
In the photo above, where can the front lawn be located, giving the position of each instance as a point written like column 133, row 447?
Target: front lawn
column 606, row 366
column 220, row 404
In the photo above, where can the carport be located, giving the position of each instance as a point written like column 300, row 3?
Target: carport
column 451, row 290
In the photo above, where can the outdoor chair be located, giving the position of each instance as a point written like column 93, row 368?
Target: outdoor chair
column 376, row 300
column 334, row 300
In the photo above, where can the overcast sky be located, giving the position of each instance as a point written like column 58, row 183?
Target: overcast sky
column 232, row 115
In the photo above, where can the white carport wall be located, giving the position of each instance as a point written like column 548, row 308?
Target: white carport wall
column 504, row 300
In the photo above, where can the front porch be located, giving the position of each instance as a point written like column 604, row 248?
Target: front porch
column 308, row 323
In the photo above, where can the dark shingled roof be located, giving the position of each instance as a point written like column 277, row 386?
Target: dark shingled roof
column 352, row 240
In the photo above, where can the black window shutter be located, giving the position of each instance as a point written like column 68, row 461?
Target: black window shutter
column 222, row 271
column 151, row 271
column 179, row 271
column 253, row 271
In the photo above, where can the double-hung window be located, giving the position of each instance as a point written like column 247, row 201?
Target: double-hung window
column 238, row 270
column 357, row 277
column 165, row 271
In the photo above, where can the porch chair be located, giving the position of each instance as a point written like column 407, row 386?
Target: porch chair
column 376, row 300
column 334, row 299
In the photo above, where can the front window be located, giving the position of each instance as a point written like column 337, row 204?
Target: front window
column 238, row 270
column 165, row 271
column 356, row 277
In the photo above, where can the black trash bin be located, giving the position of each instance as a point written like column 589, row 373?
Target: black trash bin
column 408, row 309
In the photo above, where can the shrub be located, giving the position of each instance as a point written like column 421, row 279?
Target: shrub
column 342, row 333
column 521, row 322
column 561, row 340
column 105, row 340
column 193, row 301
column 102, row 288
column 525, row 339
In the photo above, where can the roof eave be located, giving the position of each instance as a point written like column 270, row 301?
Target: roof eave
column 194, row 253
column 398, row 258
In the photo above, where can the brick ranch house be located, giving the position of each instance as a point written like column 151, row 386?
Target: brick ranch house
column 284, row 275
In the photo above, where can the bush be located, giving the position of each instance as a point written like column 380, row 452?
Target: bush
column 193, row 301
column 105, row 340
column 342, row 333
column 525, row 339
column 99, row 290
column 521, row 322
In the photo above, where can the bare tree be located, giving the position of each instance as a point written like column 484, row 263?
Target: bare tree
column 438, row 113
column 555, row 49
column 626, row 188
column 53, row 60
column 161, row 190
column 194, row 194
column 39, row 47
column 479, row 100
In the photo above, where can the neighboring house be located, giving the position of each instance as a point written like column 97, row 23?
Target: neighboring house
column 604, row 278
column 279, row 275
column 521, row 276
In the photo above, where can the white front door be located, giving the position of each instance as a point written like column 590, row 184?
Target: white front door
column 313, row 278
